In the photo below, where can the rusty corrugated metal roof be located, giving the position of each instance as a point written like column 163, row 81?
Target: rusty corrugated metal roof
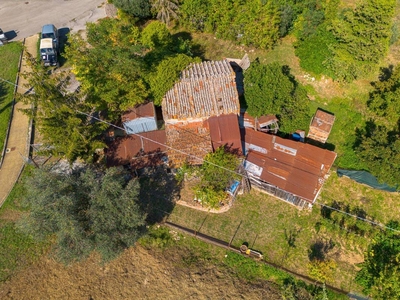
column 321, row 126
column 205, row 89
column 295, row 167
column 190, row 142
column 245, row 120
column 127, row 150
column 224, row 131
column 140, row 111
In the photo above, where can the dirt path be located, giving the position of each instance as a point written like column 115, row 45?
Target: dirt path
column 17, row 144
column 136, row 274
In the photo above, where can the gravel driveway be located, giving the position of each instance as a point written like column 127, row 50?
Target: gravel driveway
column 20, row 19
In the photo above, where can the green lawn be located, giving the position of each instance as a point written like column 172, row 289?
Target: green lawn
column 9, row 57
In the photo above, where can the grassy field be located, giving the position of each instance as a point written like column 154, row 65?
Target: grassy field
column 287, row 236
column 17, row 249
column 9, row 57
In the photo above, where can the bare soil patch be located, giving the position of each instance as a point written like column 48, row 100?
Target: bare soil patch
column 136, row 274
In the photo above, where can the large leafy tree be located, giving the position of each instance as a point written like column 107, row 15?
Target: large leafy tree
column 84, row 210
column 62, row 117
column 380, row 271
column 363, row 36
column 385, row 99
column 270, row 89
column 110, row 66
column 379, row 148
column 379, row 142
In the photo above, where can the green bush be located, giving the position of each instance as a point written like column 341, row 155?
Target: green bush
column 315, row 50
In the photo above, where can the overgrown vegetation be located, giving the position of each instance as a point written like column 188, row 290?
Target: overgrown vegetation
column 271, row 89
column 119, row 68
column 126, row 65
column 380, row 272
column 218, row 170
column 378, row 143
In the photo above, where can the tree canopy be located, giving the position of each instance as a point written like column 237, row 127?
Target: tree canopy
column 254, row 23
column 110, row 70
column 86, row 210
column 165, row 10
column 136, row 8
column 114, row 64
column 378, row 144
column 58, row 115
column 270, row 89
column 363, row 36
column 380, row 271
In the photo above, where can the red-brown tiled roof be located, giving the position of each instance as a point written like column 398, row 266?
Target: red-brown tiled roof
column 127, row 150
column 295, row 167
column 140, row 111
column 321, row 126
column 205, row 89
column 190, row 142
column 224, row 131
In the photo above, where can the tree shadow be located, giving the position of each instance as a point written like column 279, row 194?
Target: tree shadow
column 362, row 133
column 63, row 40
column 319, row 249
column 385, row 73
column 196, row 49
column 158, row 191
column 3, row 98
column 3, row 92
column 291, row 236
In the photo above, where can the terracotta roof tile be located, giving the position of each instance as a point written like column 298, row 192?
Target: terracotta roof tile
column 205, row 89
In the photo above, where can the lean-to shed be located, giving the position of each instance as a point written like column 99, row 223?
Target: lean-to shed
column 142, row 118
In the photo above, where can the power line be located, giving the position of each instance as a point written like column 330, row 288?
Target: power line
column 218, row 166
column 14, row 84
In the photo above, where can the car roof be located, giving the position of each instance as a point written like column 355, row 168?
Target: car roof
column 46, row 43
column 48, row 28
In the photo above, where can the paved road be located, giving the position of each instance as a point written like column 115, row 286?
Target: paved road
column 26, row 17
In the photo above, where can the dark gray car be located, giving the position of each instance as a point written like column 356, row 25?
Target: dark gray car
column 50, row 31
